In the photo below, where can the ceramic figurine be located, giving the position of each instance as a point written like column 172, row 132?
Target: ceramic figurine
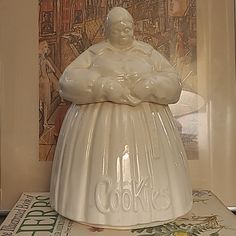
column 119, row 161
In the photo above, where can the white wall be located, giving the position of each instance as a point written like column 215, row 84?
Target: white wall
column 20, row 169
column 215, row 169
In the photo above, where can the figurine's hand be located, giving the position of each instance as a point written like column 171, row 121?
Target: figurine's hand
column 144, row 88
column 115, row 92
column 108, row 89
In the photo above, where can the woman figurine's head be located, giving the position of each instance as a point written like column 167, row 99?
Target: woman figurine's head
column 119, row 28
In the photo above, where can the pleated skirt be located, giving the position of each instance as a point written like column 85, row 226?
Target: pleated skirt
column 119, row 166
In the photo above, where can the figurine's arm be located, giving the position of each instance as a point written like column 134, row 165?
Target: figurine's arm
column 168, row 87
column 163, row 85
column 83, row 84
column 75, row 84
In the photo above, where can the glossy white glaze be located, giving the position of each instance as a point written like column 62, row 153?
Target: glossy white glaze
column 119, row 160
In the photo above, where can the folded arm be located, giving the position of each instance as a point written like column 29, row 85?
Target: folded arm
column 163, row 86
column 82, row 84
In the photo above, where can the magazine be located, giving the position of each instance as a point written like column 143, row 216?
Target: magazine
column 33, row 216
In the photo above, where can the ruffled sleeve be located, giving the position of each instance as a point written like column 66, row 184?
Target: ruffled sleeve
column 76, row 82
column 163, row 85
column 83, row 84
column 168, row 87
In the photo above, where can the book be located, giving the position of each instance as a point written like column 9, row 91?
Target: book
column 32, row 215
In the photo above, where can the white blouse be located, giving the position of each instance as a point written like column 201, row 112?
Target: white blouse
column 131, row 76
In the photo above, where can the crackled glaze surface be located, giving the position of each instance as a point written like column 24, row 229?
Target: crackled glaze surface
column 119, row 160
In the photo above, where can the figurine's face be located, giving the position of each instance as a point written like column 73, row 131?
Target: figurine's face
column 120, row 34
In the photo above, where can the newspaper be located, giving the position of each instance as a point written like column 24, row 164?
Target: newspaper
column 33, row 216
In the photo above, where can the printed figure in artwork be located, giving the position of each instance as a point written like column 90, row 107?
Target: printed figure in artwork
column 180, row 50
column 47, row 81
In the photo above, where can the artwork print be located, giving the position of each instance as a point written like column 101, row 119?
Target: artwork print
column 68, row 27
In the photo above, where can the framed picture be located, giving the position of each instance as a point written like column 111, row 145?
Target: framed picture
column 170, row 26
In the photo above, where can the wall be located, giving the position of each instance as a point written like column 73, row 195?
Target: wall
column 215, row 169
column 221, row 87
column 20, row 169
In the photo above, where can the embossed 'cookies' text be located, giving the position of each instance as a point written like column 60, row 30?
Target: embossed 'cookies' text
column 129, row 196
